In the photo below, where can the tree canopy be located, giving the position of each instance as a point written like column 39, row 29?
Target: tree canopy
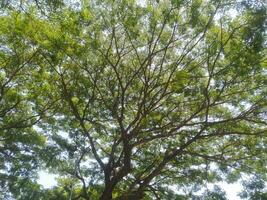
column 132, row 99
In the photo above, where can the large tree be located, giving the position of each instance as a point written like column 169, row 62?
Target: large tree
column 136, row 99
column 20, row 111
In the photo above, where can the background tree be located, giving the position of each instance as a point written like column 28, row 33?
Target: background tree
column 20, row 109
column 145, row 95
column 254, row 188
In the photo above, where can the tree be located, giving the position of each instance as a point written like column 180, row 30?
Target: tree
column 20, row 111
column 254, row 188
column 137, row 97
column 216, row 194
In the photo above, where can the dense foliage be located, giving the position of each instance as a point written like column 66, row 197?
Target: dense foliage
column 132, row 99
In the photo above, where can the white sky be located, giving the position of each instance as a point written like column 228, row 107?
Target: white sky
column 49, row 180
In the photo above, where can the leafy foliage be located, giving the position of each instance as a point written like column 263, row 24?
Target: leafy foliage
column 254, row 188
column 128, row 99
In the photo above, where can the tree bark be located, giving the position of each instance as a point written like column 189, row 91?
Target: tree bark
column 107, row 194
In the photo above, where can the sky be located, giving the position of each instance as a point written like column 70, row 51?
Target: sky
column 49, row 180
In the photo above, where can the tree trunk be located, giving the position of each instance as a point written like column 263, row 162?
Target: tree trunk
column 132, row 196
column 107, row 194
